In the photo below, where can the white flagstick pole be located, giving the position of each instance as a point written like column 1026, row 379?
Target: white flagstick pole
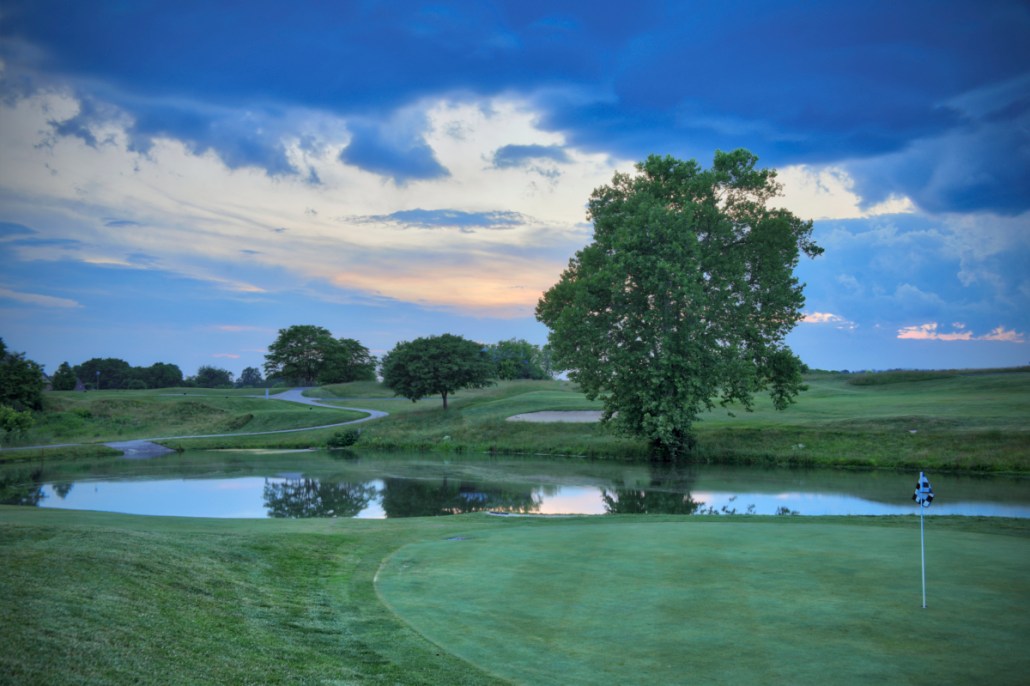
column 922, row 551
column 923, row 497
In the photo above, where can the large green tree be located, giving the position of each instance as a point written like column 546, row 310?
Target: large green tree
column 684, row 297
column 436, row 365
column 306, row 354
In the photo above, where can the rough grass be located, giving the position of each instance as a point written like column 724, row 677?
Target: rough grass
column 635, row 601
column 105, row 599
column 477, row 422
column 910, row 375
column 972, row 421
column 96, row 417
column 94, row 598
column 962, row 422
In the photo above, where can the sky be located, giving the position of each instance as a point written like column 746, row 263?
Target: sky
column 179, row 180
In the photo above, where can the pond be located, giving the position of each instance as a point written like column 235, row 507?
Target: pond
column 260, row 484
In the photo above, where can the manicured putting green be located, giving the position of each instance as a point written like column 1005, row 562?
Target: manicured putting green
column 720, row 602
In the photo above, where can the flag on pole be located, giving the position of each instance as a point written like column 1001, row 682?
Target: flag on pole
column 924, row 492
column 923, row 497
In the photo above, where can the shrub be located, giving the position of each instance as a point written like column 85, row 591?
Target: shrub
column 343, row 439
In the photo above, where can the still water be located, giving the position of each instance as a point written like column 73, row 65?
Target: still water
column 244, row 484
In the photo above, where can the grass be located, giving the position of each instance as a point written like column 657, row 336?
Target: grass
column 98, row 417
column 961, row 421
column 973, row 421
column 635, row 601
column 477, row 421
column 94, row 598
column 90, row 598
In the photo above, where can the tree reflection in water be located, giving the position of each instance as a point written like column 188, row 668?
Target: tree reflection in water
column 667, row 493
column 63, row 489
column 410, row 498
column 302, row 498
column 22, row 487
column 635, row 501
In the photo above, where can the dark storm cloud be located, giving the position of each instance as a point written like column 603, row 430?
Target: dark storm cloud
column 794, row 82
column 377, row 150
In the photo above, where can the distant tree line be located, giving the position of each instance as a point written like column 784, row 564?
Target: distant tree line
column 300, row 355
column 111, row 373
column 306, row 355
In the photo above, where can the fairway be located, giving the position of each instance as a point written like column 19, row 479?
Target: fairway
column 631, row 602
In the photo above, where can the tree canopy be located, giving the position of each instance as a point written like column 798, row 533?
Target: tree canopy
column 516, row 358
column 307, row 354
column 63, row 379
column 250, row 377
column 21, row 381
column 105, row 372
column 684, row 297
column 212, row 377
column 436, row 365
column 160, row 375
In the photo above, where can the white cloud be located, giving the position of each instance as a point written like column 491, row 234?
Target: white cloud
column 828, row 193
column 828, row 318
column 246, row 232
column 931, row 332
column 38, row 299
column 1002, row 334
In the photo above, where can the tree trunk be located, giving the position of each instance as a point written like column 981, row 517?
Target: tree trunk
column 444, row 394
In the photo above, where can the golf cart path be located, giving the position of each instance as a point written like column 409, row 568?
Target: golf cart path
column 148, row 447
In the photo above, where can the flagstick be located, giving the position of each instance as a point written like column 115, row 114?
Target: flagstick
column 922, row 551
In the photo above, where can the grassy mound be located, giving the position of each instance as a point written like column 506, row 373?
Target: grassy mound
column 635, row 601
column 93, row 598
column 103, row 416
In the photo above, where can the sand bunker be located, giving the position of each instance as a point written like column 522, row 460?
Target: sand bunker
column 570, row 417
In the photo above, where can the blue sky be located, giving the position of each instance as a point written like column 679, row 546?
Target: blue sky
column 180, row 180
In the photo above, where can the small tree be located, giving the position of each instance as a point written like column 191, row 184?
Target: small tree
column 297, row 354
column 519, row 359
column 306, row 354
column 250, row 378
column 160, row 375
column 212, row 377
column 64, row 378
column 436, row 365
